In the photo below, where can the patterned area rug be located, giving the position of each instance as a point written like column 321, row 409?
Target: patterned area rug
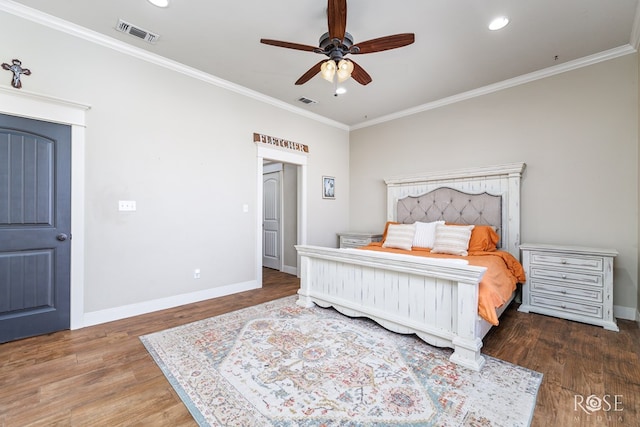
column 278, row 364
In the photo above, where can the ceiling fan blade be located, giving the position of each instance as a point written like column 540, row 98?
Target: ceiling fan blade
column 337, row 18
column 310, row 73
column 384, row 43
column 288, row 45
column 360, row 75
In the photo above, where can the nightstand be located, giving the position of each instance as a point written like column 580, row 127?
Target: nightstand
column 354, row 240
column 570, row 282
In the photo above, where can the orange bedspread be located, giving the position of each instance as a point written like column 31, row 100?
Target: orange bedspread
column 498, row 283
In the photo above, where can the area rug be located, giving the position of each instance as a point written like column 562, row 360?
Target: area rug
column 278, row 364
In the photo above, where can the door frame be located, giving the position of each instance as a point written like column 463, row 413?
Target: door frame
column 295, row 158
column 49, row 109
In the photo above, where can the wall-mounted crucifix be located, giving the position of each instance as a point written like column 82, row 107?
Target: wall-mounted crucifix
column 17, row 70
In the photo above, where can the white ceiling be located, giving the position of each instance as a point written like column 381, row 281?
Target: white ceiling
column 454, row 52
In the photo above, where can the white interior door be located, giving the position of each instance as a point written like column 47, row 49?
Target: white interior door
column 271, row 221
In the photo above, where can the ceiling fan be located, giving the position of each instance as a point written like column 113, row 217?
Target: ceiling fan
column 337, row 43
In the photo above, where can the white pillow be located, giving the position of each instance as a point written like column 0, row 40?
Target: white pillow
column 425, row 234
column 400, row 236
column 452, row 239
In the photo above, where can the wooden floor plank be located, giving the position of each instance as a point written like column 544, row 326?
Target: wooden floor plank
column 103, row 375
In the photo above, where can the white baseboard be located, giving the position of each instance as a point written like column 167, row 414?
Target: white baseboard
column 626, row 313
column 123, row 312
column 290, row 269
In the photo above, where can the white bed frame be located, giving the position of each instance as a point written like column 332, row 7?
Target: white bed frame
column 435, row 299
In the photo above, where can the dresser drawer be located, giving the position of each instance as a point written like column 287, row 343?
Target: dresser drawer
column 351, row 242
column 567, row 275
column 554, row 290
column 568, row 260
column 559, row 305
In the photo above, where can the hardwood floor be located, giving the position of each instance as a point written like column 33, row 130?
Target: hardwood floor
column 578, row 361
column 103, row 376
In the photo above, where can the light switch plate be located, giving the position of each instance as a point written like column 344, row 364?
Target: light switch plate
column 126, row 205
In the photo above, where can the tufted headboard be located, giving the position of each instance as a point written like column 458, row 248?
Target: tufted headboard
column 481, row 196
column 452, row 206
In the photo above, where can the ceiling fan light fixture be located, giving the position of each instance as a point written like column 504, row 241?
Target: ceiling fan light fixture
column 498, row 23
column 336, row 43
column 345, row 68
column 159, row 3
column 328, row 70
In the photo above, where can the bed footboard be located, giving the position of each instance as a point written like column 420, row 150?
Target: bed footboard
column 435, row 299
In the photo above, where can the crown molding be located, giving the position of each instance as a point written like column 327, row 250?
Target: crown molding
column 55, row 23
column 42, row 18
column 505, row 84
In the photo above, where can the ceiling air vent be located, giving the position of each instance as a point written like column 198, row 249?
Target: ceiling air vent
column 125, row 27
column 307, row 100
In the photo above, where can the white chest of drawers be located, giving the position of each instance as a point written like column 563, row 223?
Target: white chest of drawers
column 570, row 282
column 354, row 239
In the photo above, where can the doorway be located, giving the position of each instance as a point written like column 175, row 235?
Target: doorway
column 295, row 160
column 54, row 110
column 280, row 217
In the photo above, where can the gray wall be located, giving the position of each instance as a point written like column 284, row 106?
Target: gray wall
column 578, row 134
column 181, row 148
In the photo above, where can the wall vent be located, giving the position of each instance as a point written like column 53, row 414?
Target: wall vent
column 307, row 100
column 125, row 27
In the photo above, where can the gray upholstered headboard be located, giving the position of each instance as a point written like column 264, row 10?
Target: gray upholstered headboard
column 484, row 195
column 452, row 206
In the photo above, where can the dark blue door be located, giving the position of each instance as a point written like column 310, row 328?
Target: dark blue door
column 35, row 227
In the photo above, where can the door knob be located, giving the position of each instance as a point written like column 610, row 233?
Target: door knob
column 61, row 237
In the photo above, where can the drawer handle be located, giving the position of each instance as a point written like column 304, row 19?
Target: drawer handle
column 564, row 291
column 564, row 276
column 563, row 306
column 564, row 261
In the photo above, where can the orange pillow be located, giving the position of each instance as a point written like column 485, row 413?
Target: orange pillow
column 483, row 238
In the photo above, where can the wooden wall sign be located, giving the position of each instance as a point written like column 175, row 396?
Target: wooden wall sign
column 279, row 142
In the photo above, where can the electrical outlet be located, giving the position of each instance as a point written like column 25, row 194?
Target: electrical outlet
column 196, row 273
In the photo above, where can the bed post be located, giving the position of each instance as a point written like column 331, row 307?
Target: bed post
column 466, row 343
column 304, row 299
column 513, row 215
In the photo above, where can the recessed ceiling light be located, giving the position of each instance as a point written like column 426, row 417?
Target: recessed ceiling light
column 159, row 3
column 499, row 23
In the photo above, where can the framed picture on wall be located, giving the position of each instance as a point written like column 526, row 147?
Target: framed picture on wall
column 328, row 187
